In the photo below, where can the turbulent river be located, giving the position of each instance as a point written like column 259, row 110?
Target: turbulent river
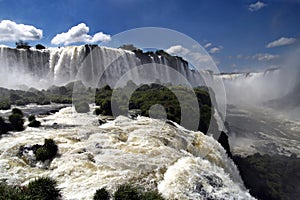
column 263, row 130
column 181, row 164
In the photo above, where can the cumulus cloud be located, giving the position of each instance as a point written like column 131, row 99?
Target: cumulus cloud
column 265, row 57
column 207, row 45
column 215, row 49
column 178, row 50
column 11, row 31
column 256, row 6
column 79, row 33
column 201, row 59
column 281, row 42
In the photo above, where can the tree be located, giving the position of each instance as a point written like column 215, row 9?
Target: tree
column 22, row 45
column 40, row 46
column 129, row 47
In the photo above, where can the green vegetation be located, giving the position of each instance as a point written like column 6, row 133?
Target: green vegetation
column 130, row 192
column 46, row 151
column 16, row 119
column 4, row 104
column 127, row 192
column 82, row 107
column 43, row 188
column 40, row 46
column 22, row 45
column 270, row 177
column 10, row 192
column 146, row 96
column 101, row 194
column 4, row 126
column 151, row 195
column 33, row 121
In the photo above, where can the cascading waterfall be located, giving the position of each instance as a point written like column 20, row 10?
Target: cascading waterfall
column 255, row 88
column 92, row 64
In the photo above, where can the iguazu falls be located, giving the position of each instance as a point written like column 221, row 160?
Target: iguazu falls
column 206, row 108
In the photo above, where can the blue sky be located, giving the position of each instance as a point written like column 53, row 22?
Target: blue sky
column 240, row 32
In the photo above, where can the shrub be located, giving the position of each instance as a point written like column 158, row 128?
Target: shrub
column 20, row 102
column 126, row 192
column 17, row 122
column 40, row 46
column 4, row 127
column 82, row 107
column 31, row 118
column 10, row 193
column 22, row 45
column 151, row 195
column 106, row 107
column 42, row 154
column 47, row 151
column 98, row 111
column 34, row 123
column 4, row 104
column 101, row 194
column 17, row 111
column 43, row 188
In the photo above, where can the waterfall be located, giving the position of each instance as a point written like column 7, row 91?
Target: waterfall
column 23, row 67
column 93, row 65
column 255, row 88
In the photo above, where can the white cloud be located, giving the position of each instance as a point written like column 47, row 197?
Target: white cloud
column 256, row 6
column 207, row 45
column 215, row 49
column 281, row 42
column 11, row 31
column 79, row 33
column 264, row 57
column 178, row 50
column 194, row 56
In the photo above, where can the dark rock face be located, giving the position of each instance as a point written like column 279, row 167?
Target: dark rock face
column 223, row 140
column 270, row 177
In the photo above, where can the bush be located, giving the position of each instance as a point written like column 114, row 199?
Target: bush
column 101, row 194
column 17, row 122
column 40, row 46
column 31, row 118
column 82, row 107
column 98, row 111
column 47, row 151
column 4, row 127
column 126, row 192
column 10, row 193
column 20, row 102
column 17, row 111
column 151, row 195
column 4, row 104
column 43, row 188
column 34, row 123
column 42, row 154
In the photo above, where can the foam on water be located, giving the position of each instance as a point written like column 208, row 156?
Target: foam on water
column 143, row 151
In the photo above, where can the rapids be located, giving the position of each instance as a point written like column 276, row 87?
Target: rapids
column 181, row 164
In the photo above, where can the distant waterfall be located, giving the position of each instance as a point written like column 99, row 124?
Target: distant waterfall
column 92, row 64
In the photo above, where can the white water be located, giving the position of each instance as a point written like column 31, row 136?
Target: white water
column 181, row 164
column 257, row 88
column 94, row 66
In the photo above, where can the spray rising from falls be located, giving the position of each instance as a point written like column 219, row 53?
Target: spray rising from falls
column 181, row 164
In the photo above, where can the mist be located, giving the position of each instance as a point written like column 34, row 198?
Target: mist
column 277, row 87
